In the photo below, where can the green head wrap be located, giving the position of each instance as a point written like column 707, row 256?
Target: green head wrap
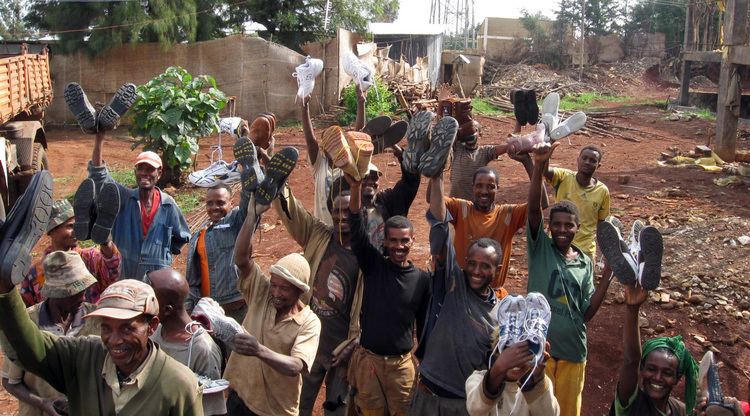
column 686, row 366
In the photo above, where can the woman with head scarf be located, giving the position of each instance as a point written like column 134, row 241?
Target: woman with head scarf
column 659, row 365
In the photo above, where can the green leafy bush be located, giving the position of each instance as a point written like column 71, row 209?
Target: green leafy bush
column 171, row 113
column 380, row 101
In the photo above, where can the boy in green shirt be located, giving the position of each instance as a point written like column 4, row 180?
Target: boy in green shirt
column 563, row 273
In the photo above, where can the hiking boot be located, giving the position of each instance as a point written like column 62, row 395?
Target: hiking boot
column 377, row 126
column 518, row 98
column 25, row 224
column 260, row 131
column 107, row 208
column 652, row 249
column 432, row 162
column 79, row 105
column 361, row 73
column 418, row 140
column 336, row 146
column 361, row 148
column 392, row 136
column 525, row 143
column 532, row 108
column 278, row 170
column 306, row 74
column 620, row 261
column 571, row 125
column 109, row 116
column 211, row 315
column 511, row 316
column 84, row 209
column 247, row 157
column 550, row 108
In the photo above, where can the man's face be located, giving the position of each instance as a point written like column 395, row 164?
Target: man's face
column 146, row 176
column 397, row 244
column 659, row 374
column 126, row 340
column 472, row 143
column 369, row 188
column 340, row 214
column 588, row 162
column 218, row 204
column 484, row 189
column 62, row 235
column 563, row 227
column 283, row 294
column 481, row 267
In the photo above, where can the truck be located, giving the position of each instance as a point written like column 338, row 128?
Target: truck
column 25, row 92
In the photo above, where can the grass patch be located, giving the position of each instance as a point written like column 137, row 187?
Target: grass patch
column 290, row 123
column 189, row 199
column 485, row 108
column 589, row 100
column 125, row 177
column 704, row 114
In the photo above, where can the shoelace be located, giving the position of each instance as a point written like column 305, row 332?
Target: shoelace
column 511, row 334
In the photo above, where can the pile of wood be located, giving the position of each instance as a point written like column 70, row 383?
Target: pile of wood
column 412, row 96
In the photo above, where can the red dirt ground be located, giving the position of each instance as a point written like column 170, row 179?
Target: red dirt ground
column 70, row 150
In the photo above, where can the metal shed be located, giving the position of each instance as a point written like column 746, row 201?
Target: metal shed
column 411, row 41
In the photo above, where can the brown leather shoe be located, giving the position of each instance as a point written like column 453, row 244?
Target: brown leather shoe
column 260, row 131
column 462, row 111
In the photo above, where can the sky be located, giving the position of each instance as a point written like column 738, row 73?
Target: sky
column 418, row 11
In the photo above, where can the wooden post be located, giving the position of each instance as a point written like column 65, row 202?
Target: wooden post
column 735, row 34
column 687, row 46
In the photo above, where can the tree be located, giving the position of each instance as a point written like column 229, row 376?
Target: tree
column 603, row 17
column 12, row 26
column 656, row 16
column 547, row 42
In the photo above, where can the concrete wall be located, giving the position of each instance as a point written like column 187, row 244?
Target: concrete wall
column 258, row 73
column 497, row 36
column 470, row 74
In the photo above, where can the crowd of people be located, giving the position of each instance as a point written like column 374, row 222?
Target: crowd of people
column 114, row 329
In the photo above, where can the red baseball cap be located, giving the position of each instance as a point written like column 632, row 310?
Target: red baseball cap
column 149, row 158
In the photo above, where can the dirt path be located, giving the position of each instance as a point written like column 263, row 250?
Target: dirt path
column 685, row 203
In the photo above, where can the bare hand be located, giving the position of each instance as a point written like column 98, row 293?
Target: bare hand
column 344, row 355
column 305, row 102
column 635, row 295
column 513, row 362
column 48, row 405
column 543, row 151
column 353, row 183
column 246, row 344
column 524, row 158
column 244, row 128
column 361, row 96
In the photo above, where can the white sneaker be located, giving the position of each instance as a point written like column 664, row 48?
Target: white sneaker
column 306, row 74
column 230, row 125
column 361, row 73
column 550, row 108
column 219, row 172
column 535, row 325
column 571, row 125
column 511, row 315
column 212, row 386
column 211, row 315
column 634, row 243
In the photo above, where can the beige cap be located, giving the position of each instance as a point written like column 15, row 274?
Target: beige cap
column 126, row 299
column 65, row 275
column 295, row 269
column 61, row 212
column 149, row 158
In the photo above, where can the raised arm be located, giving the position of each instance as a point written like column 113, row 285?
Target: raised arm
column 601, row 292
column 631, row 340
column 542, row 153
column 243, row 246
column 307, row 128
column 528, row 166
column 437, row 197
column 365, row 252
column 359, row 124
column 96, row 154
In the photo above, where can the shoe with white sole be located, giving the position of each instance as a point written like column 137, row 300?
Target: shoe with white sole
column 652, row 249
column 614, row 249
column 571, row 125
column 306, row 74
column 511, row 316
column 634, row 242
column 230, row 125
column 361, row 73
column 550, row 107
column 211, row 315
column 217, row 173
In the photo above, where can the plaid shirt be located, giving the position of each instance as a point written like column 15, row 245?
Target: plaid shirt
column 105, row 270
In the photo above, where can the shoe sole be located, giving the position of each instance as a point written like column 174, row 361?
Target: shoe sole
column 652, row 249
column 25, row 224
column 79, row 105
column 246, row 155
column 83, row 206
column 571, row 125
column 608, row 240
column 278, row 170
column 111, row 113
column 519, row 106
column 418, row 131
column 377, row 126
column 532, row 108
column 107, row 208
column 392, row 136
column 433, row 160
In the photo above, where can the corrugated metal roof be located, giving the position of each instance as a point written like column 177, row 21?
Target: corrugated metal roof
column 406, row 28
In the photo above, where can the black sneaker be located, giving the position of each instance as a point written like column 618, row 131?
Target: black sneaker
column 279, row 168
column 622, row 264
column 532, row 108
column 418, row 140
column 391, row 137
column 79, row 105
column 518, row 98
column 110, row 114
column 84, row 208
column 24, row 225
column 247, row 156
column 432, row 162
column 652, row 249
column 107, row 208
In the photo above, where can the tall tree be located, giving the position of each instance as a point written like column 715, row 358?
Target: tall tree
column 12, row 26
column 602, row 17
column 657, row 16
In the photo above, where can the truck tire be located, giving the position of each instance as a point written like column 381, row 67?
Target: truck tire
column 39, row 159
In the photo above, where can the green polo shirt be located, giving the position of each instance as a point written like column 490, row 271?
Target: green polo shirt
column 568, row 286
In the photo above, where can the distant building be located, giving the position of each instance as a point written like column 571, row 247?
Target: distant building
column 412, row 41
column 497, row 36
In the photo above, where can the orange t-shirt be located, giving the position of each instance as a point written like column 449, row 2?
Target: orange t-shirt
column 500, row 224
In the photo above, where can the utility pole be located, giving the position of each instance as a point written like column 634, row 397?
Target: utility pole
column 583, row 38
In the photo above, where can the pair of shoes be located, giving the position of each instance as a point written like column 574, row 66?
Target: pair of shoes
column 385, row 133
column 418, row 140
column 278, row 170
column 24, row 225
column 636, row 260
column 337, row 147
column 211, row 315
column 524, row 144
column 247, row 157
column 261, row 129
column 105, row 119
column 217, row 173
column 523, row 319
column 461, row 110
column 361, row 73
column 525, row 107
column 95, row 212
column 306, row 74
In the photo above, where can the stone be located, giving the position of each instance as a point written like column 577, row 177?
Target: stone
column 620, row 298
column 697, row 299
column 649, row 331
column 746, row 314
column 711, row 301
column 743, row 240
column 660, row 329
column 643, row 322
column 664, row 298
column 667, row 306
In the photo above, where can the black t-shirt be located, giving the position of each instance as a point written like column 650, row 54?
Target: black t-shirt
column 333, row 293
column 392, row 299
